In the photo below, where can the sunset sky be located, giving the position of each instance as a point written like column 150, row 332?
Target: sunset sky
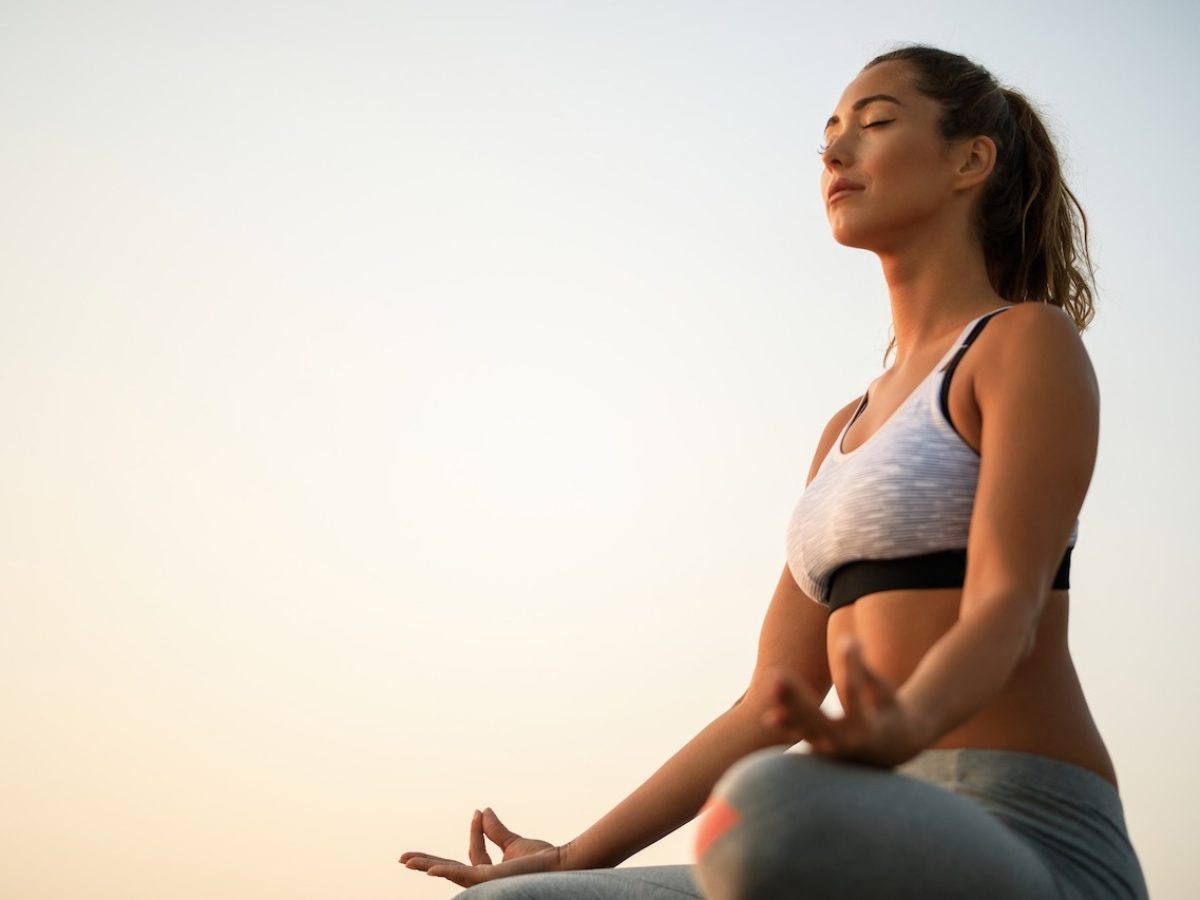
column 404, row 402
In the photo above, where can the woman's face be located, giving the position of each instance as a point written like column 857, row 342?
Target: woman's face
column 886, row 170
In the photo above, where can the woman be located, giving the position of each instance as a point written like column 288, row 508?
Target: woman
column 966, row 762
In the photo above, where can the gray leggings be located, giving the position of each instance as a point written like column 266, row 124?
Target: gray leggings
column 947, row 824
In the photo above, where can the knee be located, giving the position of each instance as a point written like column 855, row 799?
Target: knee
column 767, row 828
column 767, row 784
column 760, row 770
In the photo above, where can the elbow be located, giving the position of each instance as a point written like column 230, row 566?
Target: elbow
column 1006, row 629
column 1021, row 646
column 1031, row 624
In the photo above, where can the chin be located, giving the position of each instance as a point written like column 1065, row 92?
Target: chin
column 874, row 235
column 858, row 238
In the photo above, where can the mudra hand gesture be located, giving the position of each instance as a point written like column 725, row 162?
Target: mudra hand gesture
column 521, row 855
column 876, row 727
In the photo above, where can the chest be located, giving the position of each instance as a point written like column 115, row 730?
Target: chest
column 887, row 395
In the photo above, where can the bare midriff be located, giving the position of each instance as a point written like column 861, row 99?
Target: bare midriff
column 1041, row 710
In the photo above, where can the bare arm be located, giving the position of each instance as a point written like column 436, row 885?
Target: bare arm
column 792, row 641
column 1039, row 407
column 793, row 637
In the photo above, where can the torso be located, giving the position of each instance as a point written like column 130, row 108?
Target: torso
column 1042, row 709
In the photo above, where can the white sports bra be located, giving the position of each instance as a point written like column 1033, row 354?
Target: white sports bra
column 894, row 512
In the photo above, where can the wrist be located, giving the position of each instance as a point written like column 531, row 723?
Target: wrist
column 568, row 857
column 583, row 853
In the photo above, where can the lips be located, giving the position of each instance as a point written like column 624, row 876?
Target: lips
column 842, row 187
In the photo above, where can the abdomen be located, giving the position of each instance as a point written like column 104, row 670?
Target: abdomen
column 1040, row 710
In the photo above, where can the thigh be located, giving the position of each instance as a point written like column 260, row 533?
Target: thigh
column 798, row 826
column 633, row 883
column 1071, row 816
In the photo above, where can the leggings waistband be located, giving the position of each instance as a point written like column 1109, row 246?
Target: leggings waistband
column 977, row 769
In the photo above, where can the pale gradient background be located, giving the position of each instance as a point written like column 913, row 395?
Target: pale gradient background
column 403, row 404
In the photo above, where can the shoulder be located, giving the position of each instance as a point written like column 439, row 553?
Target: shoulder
column 1034, row 385
column 832, row 429
column 1032, row 343
column 1032, row 328
column 839, row 420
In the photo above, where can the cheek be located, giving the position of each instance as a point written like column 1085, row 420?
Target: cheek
column 911, row 164
column 897, row 166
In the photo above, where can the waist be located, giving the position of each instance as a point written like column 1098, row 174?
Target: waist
column 984, row 771
column 1040, row 710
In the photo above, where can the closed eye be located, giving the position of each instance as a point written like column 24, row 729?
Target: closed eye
column 823, row 147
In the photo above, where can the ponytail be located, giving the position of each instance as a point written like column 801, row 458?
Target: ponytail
column 1033, row 230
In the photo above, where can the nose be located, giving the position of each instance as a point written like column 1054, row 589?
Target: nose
column 837, row 152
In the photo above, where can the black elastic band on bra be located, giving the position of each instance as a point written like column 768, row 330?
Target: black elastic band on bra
column 944, row 397
column 944, row 569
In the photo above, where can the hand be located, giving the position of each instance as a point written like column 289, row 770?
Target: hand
column 876, row 726
column 521, row 855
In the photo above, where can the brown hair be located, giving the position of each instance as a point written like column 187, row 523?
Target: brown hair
column 1033, row 230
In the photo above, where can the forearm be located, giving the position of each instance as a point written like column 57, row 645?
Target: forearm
column 967, row 667
column 674, row 794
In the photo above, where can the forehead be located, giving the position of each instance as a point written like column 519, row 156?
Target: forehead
column 886, row 78
column 893, row 78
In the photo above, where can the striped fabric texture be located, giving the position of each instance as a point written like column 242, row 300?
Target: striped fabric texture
column 908, row 490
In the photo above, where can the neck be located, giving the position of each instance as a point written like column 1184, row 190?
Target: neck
column 935, row 285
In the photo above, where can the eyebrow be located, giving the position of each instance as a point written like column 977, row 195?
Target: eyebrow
column 859, row 104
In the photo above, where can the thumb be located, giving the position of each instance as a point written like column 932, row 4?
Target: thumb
column 497, row 831
column 869, row 682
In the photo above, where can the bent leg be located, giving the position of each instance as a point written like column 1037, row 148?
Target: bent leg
column 798, row 826
column 633, row 883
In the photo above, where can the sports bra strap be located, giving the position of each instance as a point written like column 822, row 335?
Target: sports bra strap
column 948, row 369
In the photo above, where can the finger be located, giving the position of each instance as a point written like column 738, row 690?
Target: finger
column 780, row 723
column 869, row 686
column 827, row 735
column 468, row 876
column 778, row 711
column 852, row 699
column 794, row 691
column 798, row 703
column 881, row 688
column 477, row 849
column 423, row 862
column 497, row 831
column 852, row 663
